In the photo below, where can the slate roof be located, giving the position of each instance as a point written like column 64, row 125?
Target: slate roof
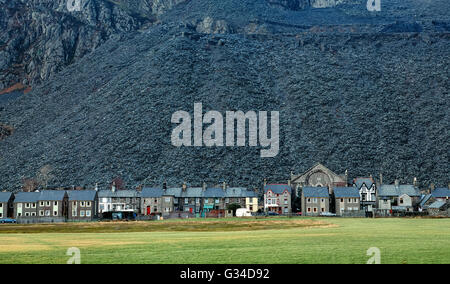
column 441, row 193
column 5, row 196
column 192, row 192
column 277, row 188
column 425, row 200
column 83, row 195
column 315, row 192
column 393, row 190
column 175, row 191
column 360, row 181
column 21, row 197
column 214, row 193
column 148, row 192
column 343, row 192
column 437, row 205
column 118, row 193
column 51, row 195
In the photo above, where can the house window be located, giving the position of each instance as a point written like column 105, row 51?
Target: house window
column 55, row 213
column 41, row 213
column 1, row 205
column 322, row 209
column 315, row 209
column 74, row 213
column 47, row 213
column 156, row 200
column 33, row 205
column 82, row 204
column 56, row 203
column 19, row 214
column 27, row 214
column 47, row 203
column 27, row 205
column 1, row 215
column 33, row 214
column 401, row 200
column 167, row 199
column 308, row 200
column 342, row 200
column 74, row 204
column 82, row 213
column 186, row 200
column 309, row 209
column 42, row 203
column 322, row 200
column 88, row 213
column 88, row 204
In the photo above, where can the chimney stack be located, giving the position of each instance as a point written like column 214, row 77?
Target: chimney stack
column 224, row 186
column 397, row 182
column 415, row 181
column 164, row 185
column 96, row 187
column 432, row 187
column 184, row 187
column 265, row 182
column 381, row 178
column 113, row 188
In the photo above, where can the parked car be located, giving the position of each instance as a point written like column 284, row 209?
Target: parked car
column 8, row 221
column 298, row 214
column 327, row 214
column 273, row 214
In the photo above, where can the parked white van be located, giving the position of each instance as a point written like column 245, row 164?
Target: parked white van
column 243, row 212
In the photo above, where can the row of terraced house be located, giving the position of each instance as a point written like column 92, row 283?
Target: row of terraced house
column 88, row 205
column 316, row 192
column 323, row 192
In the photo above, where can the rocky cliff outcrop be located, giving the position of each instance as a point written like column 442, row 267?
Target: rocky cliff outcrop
column 355, row 91
column 39, row 37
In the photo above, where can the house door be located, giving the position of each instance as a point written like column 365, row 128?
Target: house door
column 149, row 210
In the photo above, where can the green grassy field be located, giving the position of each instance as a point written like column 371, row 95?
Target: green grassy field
column 234, row 241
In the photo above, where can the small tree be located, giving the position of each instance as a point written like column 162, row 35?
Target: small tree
column 45, row 175
column 119, row 183
column 29, row 184
column 234, row 207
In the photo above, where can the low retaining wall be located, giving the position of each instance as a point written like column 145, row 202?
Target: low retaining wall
column 38, row 220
